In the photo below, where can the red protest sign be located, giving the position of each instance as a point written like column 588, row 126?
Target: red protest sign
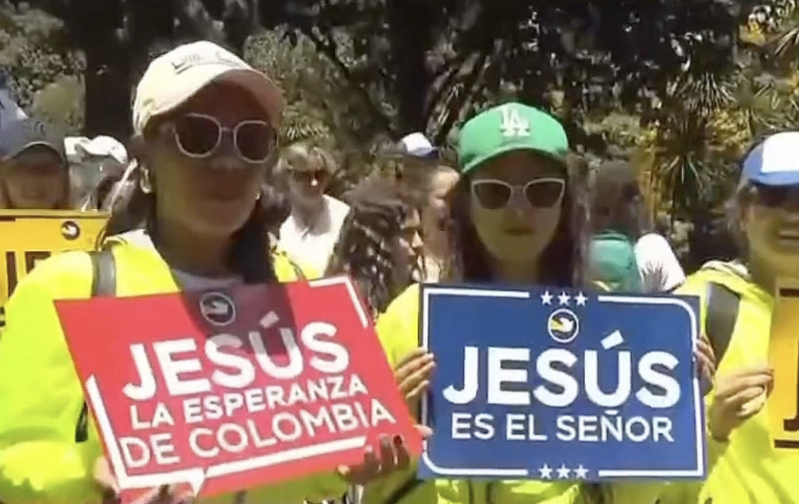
column 228, row 390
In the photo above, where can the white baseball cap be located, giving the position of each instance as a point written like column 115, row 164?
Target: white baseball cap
column 175, row 77
column 417, row 145
column 79, row 148
column 774, row 161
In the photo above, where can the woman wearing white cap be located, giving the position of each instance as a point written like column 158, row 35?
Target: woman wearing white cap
column 204, row 125
column 752, row 448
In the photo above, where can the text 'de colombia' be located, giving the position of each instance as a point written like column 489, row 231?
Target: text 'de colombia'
column 228, row 390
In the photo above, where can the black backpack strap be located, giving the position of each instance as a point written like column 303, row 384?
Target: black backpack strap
column 297, row 270
column 104, row 283
column 104, row 273
column 722, row 312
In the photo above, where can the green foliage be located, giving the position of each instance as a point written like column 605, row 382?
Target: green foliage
column 32, row 51
column 61, row 104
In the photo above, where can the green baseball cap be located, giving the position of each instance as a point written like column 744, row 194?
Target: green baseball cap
column 510, row 127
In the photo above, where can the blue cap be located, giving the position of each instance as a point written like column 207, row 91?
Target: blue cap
column 19, row 135
column 774, row 161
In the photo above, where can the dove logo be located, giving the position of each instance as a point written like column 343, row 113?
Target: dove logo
column 563, row 325
column 217, row 308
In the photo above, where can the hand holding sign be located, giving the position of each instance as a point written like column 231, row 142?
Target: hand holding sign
column 227, row 391
column 532, row 384
column 413, row 375
column 738, row 397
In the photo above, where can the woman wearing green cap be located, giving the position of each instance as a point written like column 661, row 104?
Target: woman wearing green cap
column 516, row 216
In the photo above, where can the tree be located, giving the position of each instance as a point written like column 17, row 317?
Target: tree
column 32, row 52
column 435, row 62
column 117, row 39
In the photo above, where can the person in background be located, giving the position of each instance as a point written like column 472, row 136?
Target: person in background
column 99, row 196
column 312, row 228
column 615, row 204
column 418, row 146
column 745, row 466
column 34, row 174
column 415, row 158
column 658, row 265
column 95, row 166
column 518, row 215
column 623, row 256
column 205, row 126
column 277, row 207
column 380, row 242
column 434, row 217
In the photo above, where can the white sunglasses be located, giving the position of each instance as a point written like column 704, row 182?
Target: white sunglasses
column 493, row 194
column 198, row 136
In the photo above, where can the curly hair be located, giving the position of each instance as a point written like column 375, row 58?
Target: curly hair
column 364, row 249
column 564, row 257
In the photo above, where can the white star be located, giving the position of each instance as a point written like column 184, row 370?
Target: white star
column 545, row 471
column 581, row 472
column 563, row 472
column 546, row 298
column 563, row 298
column 580, row 299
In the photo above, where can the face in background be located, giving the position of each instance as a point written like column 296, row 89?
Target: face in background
column 308, row 179
column 210, row 194
column 35, row 179
column 407, row 246
column 516, row 202
column 771, row 224
column 441, row 182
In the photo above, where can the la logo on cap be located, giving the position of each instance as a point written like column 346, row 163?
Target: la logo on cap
column 513, row 124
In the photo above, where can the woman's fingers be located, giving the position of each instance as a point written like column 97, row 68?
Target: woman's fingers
column 403, row 457
column 419, row 374
column 423, row 431
column 417, row 391
column 730, row 386
column 105, row 478
column 408, row 368
column 411, row 356
column 387, row 455
column 706, row 359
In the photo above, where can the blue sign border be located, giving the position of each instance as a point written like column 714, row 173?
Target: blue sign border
column 429, row 290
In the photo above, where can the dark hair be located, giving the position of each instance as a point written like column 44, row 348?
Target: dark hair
column 250, row 255
column 276, row 206
column 743, row 196
column 614, row 189
column 733, row 209
column 378, row 209
column 564, row 257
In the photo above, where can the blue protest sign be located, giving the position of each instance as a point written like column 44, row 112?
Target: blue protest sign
column 561, row 385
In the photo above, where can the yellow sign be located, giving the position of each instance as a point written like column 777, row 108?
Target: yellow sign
column 783, row 404
column 30, row 236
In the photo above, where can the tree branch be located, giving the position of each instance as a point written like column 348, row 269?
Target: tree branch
column 329, row 49
column 192, row 14
column 456, row 104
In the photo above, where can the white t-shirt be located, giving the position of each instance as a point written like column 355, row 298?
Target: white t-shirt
column 312, row 245
column 187, row 281
column 659, row 267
